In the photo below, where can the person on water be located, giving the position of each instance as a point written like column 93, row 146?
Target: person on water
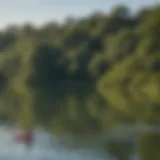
column 25, row 137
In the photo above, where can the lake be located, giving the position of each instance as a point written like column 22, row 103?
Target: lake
column 122, row 143
column 77, row 123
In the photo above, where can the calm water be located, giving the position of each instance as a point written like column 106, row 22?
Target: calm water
column 123, row 143
column 78, row 124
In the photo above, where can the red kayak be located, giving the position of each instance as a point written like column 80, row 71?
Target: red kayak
column 25, row 137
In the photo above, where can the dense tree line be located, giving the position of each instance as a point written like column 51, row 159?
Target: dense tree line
column 118, row 48
column 48, row 73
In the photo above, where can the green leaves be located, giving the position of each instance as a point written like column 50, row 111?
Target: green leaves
column 114, row 50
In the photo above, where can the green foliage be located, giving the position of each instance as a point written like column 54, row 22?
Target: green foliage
column 149, row 146
column 115, row 50
column 100, row 45
column 85, row 76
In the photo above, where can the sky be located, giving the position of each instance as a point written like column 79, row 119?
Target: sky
column 41, row 11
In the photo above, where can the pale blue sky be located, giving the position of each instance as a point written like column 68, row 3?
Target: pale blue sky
column 40, row 11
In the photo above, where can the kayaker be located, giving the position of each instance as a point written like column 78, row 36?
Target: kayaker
column 25, row 137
